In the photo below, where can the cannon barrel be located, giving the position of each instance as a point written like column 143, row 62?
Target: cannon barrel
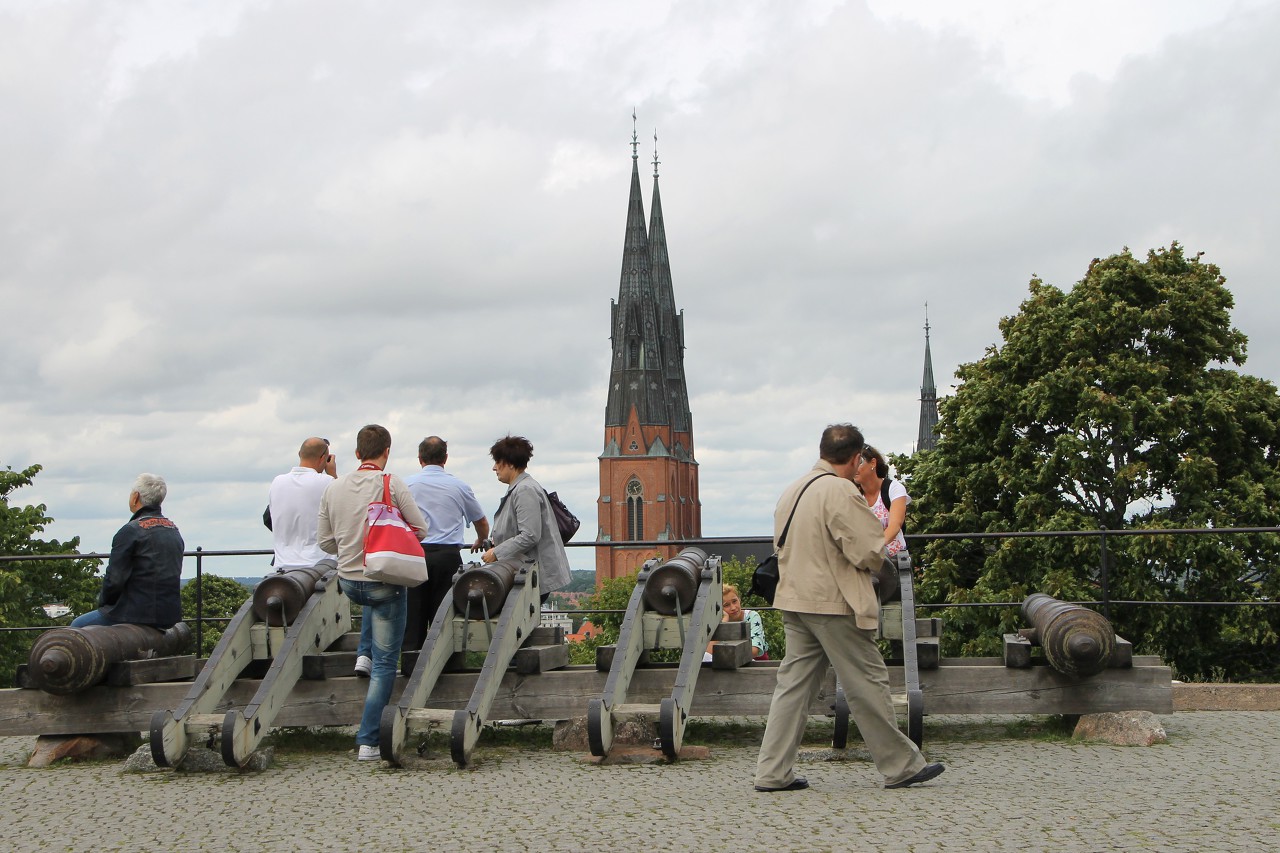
column 485, row 585
column 279, row 598
column 1075, row 639
column 68, row 660
column 676, row 579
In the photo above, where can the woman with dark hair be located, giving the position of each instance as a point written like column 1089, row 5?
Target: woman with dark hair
column 888, row 500
column 524, row 527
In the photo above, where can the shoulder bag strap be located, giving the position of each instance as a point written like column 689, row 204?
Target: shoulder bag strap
column 782, row 540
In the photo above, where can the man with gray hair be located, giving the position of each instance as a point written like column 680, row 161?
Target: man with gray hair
column 142, row 584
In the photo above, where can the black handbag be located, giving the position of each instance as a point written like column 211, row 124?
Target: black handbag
column 764, row 580
column 565, row 520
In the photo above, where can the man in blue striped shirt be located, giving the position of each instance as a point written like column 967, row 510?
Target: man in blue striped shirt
column 449, row 506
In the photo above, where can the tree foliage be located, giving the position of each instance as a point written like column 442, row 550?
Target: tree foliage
column 1114, row 405
column 222, row 597
column 615, row 594
column 27, row 585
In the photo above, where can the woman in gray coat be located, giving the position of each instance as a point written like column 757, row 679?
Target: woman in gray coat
column 524, row 527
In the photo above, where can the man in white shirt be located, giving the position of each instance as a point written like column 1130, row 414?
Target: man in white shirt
column 294, row 505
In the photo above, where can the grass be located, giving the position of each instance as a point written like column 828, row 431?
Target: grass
column 745, row 731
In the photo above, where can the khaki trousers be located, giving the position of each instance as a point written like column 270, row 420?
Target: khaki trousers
column 812, row 640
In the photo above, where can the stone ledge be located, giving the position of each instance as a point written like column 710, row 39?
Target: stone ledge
column 1226, row 697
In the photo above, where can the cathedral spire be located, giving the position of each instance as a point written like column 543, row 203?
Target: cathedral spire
column 670, row 322
column 926, row 440
column 637, row 381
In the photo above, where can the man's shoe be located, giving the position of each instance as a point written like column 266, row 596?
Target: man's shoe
column 369, row 753
column 797, row 784
column 364, row 666
column 929, row 771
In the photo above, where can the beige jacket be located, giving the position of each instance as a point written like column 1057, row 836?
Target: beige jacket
column 344, row 511
column 834, row 544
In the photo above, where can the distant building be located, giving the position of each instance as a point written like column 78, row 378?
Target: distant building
column 56, row 611
column 648, row 473
column 557, row 620
column 586, row 632
column 926, row 440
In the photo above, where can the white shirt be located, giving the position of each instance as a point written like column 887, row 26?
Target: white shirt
column 896, row 490
column 295, row 506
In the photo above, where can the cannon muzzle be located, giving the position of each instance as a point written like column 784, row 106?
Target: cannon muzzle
column 675, row 582
column 279, row 598
column 1076, row 640
column 485, row 586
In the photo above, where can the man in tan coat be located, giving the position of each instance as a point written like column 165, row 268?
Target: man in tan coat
column 830, row 612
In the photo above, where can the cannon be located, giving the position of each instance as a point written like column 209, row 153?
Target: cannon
column 507, row 590
column 676, row 604
column 279, row 598
column 69, row 660
column 1077, row 641
column 292, row 614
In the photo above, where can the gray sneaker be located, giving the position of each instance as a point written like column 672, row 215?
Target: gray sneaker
column 369, row 753
column 364, row 666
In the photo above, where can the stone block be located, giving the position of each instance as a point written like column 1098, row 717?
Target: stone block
column 1123, row 728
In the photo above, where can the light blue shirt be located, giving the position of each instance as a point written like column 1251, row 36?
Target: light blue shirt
column 448, row 504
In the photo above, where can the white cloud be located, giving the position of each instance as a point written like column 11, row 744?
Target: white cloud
column 227, row 229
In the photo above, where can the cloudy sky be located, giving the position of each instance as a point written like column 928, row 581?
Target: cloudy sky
column 228, row 226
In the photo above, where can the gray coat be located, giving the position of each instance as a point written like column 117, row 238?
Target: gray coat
column 524, row 528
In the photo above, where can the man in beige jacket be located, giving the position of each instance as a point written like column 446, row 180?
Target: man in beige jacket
column 830, row 612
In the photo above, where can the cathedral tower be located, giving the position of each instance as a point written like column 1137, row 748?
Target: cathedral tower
column 928, row 396
column 648, row 474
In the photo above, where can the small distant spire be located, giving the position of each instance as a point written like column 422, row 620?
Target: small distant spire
column 656, row 161
column 635, row 140
column 927, row 439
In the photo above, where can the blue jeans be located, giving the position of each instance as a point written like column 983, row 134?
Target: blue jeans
column 365, row 649
column 93, row 617
column 389, row 607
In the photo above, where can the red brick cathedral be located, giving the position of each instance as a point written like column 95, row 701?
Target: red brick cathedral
column 648, row 474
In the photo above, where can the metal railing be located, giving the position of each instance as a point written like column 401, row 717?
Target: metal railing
column 1103, row 535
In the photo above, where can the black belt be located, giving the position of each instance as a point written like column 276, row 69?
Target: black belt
column 433, row 548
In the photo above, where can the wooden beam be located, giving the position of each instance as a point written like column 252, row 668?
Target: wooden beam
column 958, row 686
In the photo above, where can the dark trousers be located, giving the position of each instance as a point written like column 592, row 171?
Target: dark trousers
column 443, row 562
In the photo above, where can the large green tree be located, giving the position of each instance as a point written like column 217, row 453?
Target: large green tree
column 1116, row 405
column 27, row 585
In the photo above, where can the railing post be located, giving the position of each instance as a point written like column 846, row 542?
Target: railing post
column 1105, row 575
column 199, row 601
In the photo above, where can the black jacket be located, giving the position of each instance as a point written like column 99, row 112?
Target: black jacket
column 143, row 584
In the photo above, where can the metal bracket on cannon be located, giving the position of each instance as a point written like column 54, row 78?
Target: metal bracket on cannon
column 675, row 605
column 919, row 639
column 291, row 615
column 465, row 622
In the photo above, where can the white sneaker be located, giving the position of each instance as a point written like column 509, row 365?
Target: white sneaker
column 364, row 666
column 369, row 753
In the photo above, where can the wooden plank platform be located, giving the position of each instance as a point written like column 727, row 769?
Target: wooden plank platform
column 957, row 686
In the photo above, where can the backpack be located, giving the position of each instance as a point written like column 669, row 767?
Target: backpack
column 884, row 498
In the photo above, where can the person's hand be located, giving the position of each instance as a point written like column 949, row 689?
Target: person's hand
column 489, row 557
column 331, row 465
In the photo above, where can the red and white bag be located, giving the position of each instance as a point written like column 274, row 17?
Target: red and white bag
column 392, row 552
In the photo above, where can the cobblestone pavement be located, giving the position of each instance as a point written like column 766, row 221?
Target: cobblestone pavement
column 1213, row 787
